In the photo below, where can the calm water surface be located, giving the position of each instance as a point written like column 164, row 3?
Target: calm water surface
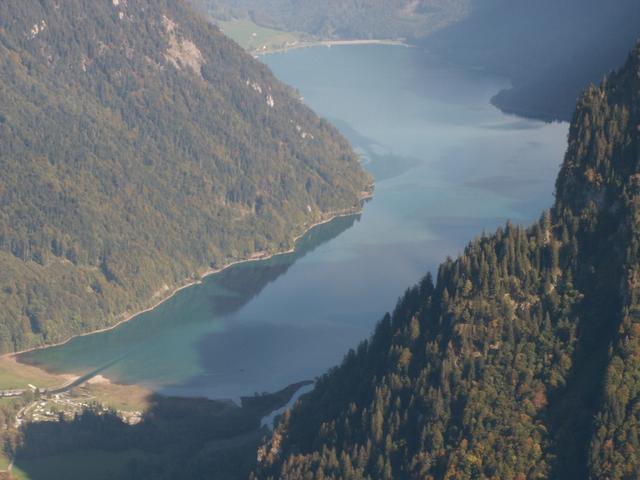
column 447, row 166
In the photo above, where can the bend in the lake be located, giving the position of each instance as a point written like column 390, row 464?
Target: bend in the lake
column 447, row 165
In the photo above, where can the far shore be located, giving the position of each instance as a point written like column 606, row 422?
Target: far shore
column 212, row 271
column 399, row 42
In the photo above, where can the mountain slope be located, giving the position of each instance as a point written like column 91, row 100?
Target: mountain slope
column 521, row 361
column 139, row 146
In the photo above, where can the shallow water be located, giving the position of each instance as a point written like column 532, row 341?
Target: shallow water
column 447, row 165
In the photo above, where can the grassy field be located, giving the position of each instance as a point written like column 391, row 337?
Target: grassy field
column 91, row 464
column 4, row 462
column 119, row 397
column 16, row 375
column 255, row 38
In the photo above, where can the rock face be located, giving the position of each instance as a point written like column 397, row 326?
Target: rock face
column 522, row 359
column 135, row 153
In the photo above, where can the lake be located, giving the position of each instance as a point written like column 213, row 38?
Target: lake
column 447, row 165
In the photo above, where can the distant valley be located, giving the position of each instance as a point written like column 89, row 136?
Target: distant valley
column 550, row 50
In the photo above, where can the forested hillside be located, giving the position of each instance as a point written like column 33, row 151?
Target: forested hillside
column 340, row 19
column 138, row 147
column 521, row 360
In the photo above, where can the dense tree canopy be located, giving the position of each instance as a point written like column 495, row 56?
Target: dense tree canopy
column 139, row 146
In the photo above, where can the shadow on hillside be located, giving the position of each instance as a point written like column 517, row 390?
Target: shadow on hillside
column 177, row 438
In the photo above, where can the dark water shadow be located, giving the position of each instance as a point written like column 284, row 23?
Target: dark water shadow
column 176, row 323
column 246, row 355
column 237, row 286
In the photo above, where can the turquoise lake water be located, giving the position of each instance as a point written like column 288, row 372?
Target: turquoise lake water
column 447, row 166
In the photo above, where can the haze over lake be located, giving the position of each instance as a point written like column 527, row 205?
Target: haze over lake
column 447, row 166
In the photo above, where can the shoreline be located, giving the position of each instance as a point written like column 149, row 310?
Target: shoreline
column 399, row 42
column 212, row 271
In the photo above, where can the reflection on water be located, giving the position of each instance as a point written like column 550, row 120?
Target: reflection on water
column 379, row 160
column 447, row 165
column 154, row 346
